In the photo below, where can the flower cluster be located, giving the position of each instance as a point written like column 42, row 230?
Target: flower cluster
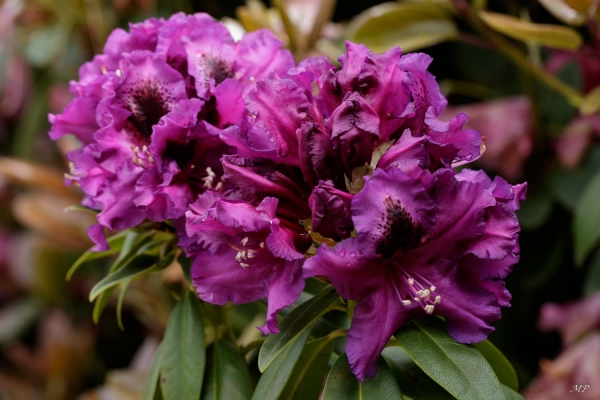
column 148, row 113
column 268, row 160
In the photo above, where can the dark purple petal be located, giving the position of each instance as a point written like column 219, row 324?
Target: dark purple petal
column 392, row 213
column 280, row 107
column 449, row 143
column 352, row 275
column 406, row 149
column 500, row 234
column 331, row 215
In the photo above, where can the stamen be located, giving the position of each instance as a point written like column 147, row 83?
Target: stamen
column 429, row 309
column 417, row 299
column 437, row 300
column 432, row 288
column 219, row 186
column 103, row 69
column 411, row 281
column 406, row 302
column 118, row 72
column 244, row 265
column 262, row 245
column 244, row 241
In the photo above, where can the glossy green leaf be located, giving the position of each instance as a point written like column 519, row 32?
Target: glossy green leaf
column 591, row 283
column 502, row 367
column 151, row 387
column 140, row 265
column 294, row 324
column 510, row 394
column 183, row 355
column 414, row 382
column 555, row 36
column 563, row 11
column 309, row 371
column 227, row 376
column 101, row 303
column 115, row 242
column 186, row 268
column 586, row 220
column 412, row 26
column 131, row 246
column 124, row 285
column 591, row 102
column 274, row 378
column 341, row 383
column 458, row 368
column 82, row 209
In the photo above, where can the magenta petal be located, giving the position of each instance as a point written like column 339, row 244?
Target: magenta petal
column 229, row 102
column 500, row 234
column 352, row 62
column 283, row 289
column 281, row 243
column 374, row 321
column 393, row 212
column 347, row 268
column 280, row 107
column 331, row 215
column 450, row 141
column 96, row 233
column 406, row 149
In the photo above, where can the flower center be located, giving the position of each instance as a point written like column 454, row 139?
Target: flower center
column 400, row 232
column 418, row 289
column 247, row 248
column 148, row 103
column 215, row 67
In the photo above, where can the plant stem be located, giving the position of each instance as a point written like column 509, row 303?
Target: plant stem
column 516, row 56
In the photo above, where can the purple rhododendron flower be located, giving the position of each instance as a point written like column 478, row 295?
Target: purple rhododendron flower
column 148, row 113
column 247, row 254
column 423, row 246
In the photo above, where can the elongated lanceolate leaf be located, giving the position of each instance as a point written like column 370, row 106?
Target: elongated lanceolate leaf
column 458, row 368
column 227, row 376
column 412, row 26
column 586, row 220
column 183, row 355
column 279, row 370
column 555, row 36
column 309, row 371
column 294, row 324
column 591, row 102
column 342, row 384
column 115, row 243
column 151, row 387
column 502, row 367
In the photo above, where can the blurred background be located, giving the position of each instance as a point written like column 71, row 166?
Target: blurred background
column 526, row 72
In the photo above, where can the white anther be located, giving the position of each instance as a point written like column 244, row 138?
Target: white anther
column 429, row 309
column 103, row 69
column 238, row 256
column 244, row 241
column 252, row 79
column 432, row 288
column 262, row 245
column 425, row 294
column 144, row 149
column 244, row 265
column 118, row 72
column 219, row 186
column 437, row 300
column 210, row 172
column 411, row 281
column 251, row 253
column 406, row 302
column 416, row 299
column 151, row 159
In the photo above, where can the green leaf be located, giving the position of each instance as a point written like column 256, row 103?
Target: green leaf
column 591, row 283
column 294, row 324
column 567, row 185
column 140, row 265
column 535, row 211
column 279, row 370
column 586, row 220
column 591, row 102
column 115, row 242
column 510, row 394
column 100, row 304
column 342, row 384
column 124, row 286
column 186, row 268
column 151, row 388
column 555, row 36
column 412, row 26
column 502, row 367
column 413, row 381
column 227, row 376
column 82, row 209
column 183, row 355
column 309, row 371
column 458, row 368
